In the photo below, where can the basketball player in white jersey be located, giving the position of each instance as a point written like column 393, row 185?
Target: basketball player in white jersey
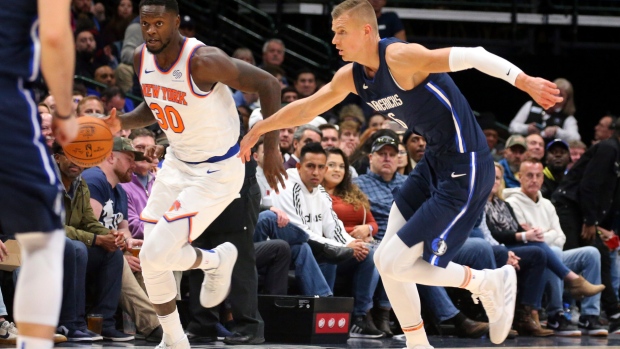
column 184, row 84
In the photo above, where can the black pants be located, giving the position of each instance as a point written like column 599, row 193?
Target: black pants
column 571, row 221
column 273, row 259
column 235, row 225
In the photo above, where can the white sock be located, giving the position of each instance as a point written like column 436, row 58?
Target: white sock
column 210, row 259
column 24, row 342
column 171, row 325
column 416, row 335
column 473, row 278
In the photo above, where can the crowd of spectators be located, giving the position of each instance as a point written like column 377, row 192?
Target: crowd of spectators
column 553, row 214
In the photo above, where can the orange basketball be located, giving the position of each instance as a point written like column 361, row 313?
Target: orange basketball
column 93, row 143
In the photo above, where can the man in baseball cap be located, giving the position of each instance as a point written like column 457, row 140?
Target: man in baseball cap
column 513, row 155
column 124, row 144
column 557, row 159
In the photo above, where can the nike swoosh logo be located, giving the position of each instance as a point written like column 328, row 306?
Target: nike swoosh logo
column 553, row 324
column 148, row 71
column 454, row 175
column 364, row 86
column 209, row 171
column 509, row 71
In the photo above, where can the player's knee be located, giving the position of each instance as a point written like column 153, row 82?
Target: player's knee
column 153, row 256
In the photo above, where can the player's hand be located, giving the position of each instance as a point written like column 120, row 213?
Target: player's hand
column 248, row 141
column 65, row 130
column 154, row 152
column 544, row 92
column 274, row 169
column 113, row 122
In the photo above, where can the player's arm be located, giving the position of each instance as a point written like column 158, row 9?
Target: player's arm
column 414, row 58
column 58, row 63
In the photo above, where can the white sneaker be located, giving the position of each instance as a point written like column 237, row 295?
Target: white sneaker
column 498, row 293
column 216, row 284
column 8, row 333
column 182, row 343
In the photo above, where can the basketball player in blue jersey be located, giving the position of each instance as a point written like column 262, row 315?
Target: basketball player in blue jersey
column 36, row 35
column 440, row 201
column 185, row 86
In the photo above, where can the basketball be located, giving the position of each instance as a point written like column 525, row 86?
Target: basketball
column 93, row 143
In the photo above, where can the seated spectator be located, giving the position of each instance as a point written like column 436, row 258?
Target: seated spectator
column 535, row 145
column 46, row 128
column 313, row 220
column 555, row 122
column 415, row 146
column 513, row 155
column 86, row 60
column 113, row 97
column 305, row 83
column 359, row 159
column 273, row 52
column 351, row 112
column 376, row 120
column 105, row 75
column 286, row 142
column 329, row 138
column 124, row 72
column 244, row 54
column 577, row 148
column 403, row 163
column 537, row 216
column 104, row 268
column 114, row 30
column 492, row 133
column 604, row 129
column 505, row 229
column 304, row 134
column 349, row 132
column 278, row 73
column 557, row 160
column 289, row 94
column 90, row 105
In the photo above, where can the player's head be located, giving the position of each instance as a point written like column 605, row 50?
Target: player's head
column 354, row 24
column 311, row 165
column 159, row 21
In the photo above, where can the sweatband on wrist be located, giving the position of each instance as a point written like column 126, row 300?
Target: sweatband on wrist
column 462, row 58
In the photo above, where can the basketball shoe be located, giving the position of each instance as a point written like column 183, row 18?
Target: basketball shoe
column 182, row 343
column 216, row 284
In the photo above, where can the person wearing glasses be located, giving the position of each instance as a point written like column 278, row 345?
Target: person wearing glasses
column 444, row 196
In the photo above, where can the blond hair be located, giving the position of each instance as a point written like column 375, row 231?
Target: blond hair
column 358, row 9
column 569, row 106
column 502, row 183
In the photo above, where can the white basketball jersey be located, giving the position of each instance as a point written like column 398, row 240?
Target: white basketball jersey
column 198, row 124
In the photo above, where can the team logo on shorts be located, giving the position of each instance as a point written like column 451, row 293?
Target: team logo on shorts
column 439, row 246
column 176, row 205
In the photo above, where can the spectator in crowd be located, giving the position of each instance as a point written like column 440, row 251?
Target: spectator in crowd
column 305, row 82
column 82, row 15
column 604, row 129
column 389, row 22
column 244, row 54
column 352, row 112
column 245, row 112
column 557, row 160
column 360, row 159
column 535, row 146
column 90, row 105
column 273, row 52
column 50, row 102
column 504, row 227
column 113, row 97
column 124, row 72
column 286, row 142
column 187, row 27
column 289, row 94
column 415, row 146
column 105, row 75
column 492, row 133
column 304, row 134
column 403, row 163
column 349, row 133
column 142, row 179
column 577, row 148
column 278, row 73
column 86, row 61
column 329, row 138
column 586, row 202
column 8, row 331
column 104, row 267
column 46, row 128
column 513, row 155
column 114, row 30
column 376, row 120
column 555, row 122
column 303, row 197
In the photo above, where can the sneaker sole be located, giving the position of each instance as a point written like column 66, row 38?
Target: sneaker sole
column 209, row 302
column 596, row 333
column 115, row 339
column 567, row 333
column 509, row 288
column 359, row 335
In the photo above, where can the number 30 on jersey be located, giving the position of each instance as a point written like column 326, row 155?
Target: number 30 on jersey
column 168, row 117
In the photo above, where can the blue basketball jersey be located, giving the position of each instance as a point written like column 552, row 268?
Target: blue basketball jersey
column 435, row 109
column 20, row 50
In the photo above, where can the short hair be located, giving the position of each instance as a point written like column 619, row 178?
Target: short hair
column 288, row 89
column 169, row 5
column 301, row 129
column 141, row 132
column 57, row 148
column 361, row 9
column 312, row 148
column 304, row 70
column 112, row 91
column 328, row 127
column 274, row 70
column 244, row 50
column 79, row 89
column 577, row 144
column 352, row 110
column 86, row 99
column 41, row 104
column 531, row 160
column 348, row 125
column 278, row 41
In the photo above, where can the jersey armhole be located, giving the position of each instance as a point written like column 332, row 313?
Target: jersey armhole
column 196, row 91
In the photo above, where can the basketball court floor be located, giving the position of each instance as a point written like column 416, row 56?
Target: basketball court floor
column 612, row 341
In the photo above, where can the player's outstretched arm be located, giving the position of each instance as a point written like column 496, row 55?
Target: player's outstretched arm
column 302, row 110
column 413, row 58
column 58, row 64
